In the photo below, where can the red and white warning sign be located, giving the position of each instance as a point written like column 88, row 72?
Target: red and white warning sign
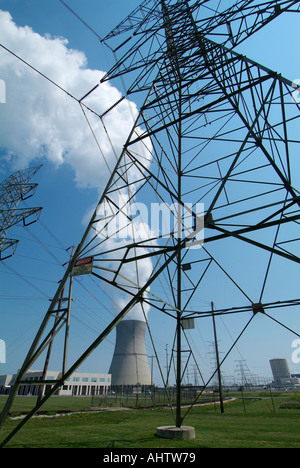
column 83, row 266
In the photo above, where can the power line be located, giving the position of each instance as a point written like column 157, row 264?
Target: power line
column 32, row 285
column 81, row 19
column 79, row 101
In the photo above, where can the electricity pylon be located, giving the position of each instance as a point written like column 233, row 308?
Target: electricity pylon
column 14, row 189
column 212, row 149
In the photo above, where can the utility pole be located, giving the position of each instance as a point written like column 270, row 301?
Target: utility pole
column 167, row 365
column 217, row 359
column 46, row 365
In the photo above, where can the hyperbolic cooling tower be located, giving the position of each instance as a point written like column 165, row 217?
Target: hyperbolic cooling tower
column 280, row 370
column 130, row 365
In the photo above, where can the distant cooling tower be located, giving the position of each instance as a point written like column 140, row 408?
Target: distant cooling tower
column 280, row 370
column 130, row 365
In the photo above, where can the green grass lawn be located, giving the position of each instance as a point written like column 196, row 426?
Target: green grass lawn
column 253, row 424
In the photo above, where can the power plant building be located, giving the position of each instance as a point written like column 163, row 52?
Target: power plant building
column 78, row 384
column 281, row 373
column 129, row 367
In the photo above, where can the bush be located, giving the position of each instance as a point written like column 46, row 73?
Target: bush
column 292, row 403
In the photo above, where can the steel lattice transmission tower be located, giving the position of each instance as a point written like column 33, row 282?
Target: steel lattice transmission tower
column 214, row 147
column 17, row 187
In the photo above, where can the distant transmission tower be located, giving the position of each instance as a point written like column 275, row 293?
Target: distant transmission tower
column 13, row 190
column 247, row 379
column 215, row 128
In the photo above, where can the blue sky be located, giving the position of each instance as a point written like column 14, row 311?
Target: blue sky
column 69, row 189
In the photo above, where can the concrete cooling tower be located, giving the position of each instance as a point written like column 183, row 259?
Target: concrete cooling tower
column 130, row 365
column 280, row 370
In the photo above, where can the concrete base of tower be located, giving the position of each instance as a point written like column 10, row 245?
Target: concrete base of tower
column 173, row 432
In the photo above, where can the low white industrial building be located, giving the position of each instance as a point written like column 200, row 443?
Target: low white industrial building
column 281, row 373
column 78, row 384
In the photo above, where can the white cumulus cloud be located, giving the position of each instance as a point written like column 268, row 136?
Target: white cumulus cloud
column 41, row 121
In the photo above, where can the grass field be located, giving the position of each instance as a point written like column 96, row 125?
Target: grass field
column 251, row 423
